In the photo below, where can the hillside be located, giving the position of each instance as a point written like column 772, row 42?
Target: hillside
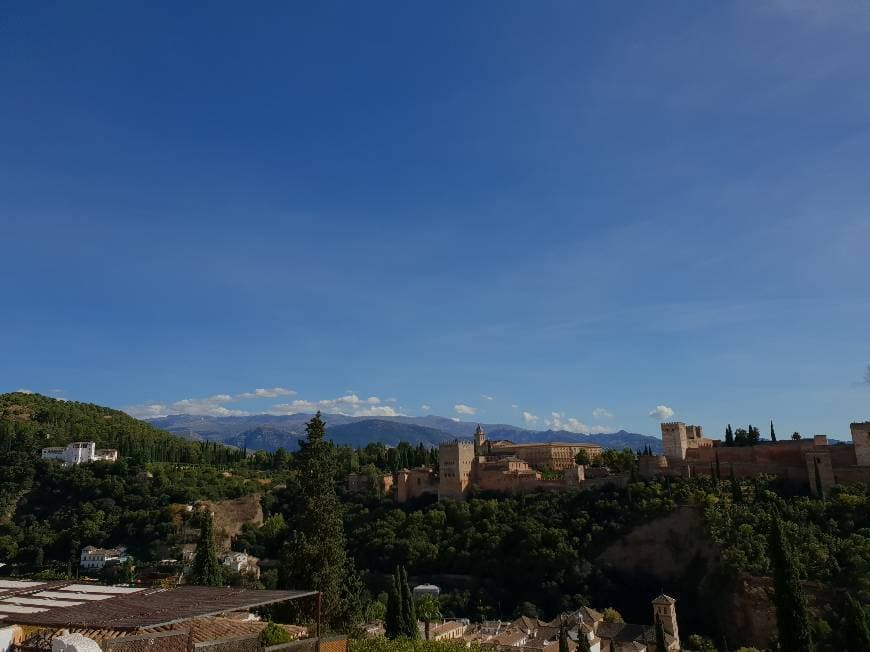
column 44, row 421
column 269, row 432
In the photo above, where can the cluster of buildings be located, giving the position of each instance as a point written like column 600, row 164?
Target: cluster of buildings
column 499, row 465
column 533, row 635
column 80, row 452
column 815, row 463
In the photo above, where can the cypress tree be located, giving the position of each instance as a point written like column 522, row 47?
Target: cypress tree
column 857, row 625
column 392, row 621
column 563, row 636
column 661, row 646
column 206, row 570
column 409, row 610
column 729, row 436
column 791, row 611
column 315, row 556
column 772, row 431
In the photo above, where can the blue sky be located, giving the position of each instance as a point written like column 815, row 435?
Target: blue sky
column 580, row 215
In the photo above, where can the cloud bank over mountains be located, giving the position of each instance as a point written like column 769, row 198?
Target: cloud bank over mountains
column 352, row 404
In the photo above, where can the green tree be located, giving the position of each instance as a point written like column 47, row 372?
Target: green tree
column 611, row 615
column 772, row 431
column 582, row 457
column 409, row 610
column 273, row 634
column 583, row 639
column 206, row 570
column 428, row 610
column 563, row 636
column 661, row 646
column 791, row 611
column 857, row 625
column 729, row 436
column 316, row 554
column 393, row 618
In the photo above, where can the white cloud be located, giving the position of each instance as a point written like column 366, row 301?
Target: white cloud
column 558, row 421
column 602, row 413
column 56, row 390
column 202, row 407
column 454, row 418
column 661, row 413
column 461, row 408
column 274, row 392
column 349, row 405
column 24, row 391
column 529, row 418
column 487, row 397
column 867, row 375
column 515, row 406
column 425, row 407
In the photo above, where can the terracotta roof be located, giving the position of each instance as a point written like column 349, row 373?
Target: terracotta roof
column 202, row 630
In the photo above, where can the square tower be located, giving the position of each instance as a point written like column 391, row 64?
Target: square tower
column 675, row 440
column 861, row 440
column 665, row 610
column 455, row 460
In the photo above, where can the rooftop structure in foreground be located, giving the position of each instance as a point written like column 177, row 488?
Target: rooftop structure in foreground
column 67, row 604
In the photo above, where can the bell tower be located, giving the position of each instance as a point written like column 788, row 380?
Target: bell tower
column 479, row 441
column 665, row 609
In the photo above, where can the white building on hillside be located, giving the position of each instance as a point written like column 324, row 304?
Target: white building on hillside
column 80, row 452
column 97, row 558
column 242, row 562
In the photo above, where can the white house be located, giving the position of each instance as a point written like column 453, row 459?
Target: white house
column 241, row 562
column 80, row 452
column 97, row 558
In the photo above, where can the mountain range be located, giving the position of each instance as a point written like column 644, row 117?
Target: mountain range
column 269, row 432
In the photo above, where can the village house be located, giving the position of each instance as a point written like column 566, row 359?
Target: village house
column 241, row 562
column 80, row 452
column 93, row 558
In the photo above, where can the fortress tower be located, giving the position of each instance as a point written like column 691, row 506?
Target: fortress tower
column 861, row 439
column 455, row 460
column 479, row 441
column 665, row 609
column 675, row 440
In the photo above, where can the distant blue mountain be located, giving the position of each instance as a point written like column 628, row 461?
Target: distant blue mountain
column 268, row 432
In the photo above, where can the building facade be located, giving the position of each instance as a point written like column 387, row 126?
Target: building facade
column 93, row 558
column 80, row 452
column 811, row 463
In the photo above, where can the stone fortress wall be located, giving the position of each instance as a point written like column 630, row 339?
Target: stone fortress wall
column 812, row 463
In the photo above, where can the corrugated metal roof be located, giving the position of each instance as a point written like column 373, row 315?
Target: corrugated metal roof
column 156, row 607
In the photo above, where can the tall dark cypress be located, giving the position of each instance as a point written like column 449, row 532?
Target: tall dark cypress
column 729, row 436
column 315, row 556
column 206, row 570
column 791, row 610
column 563, row 636
column 393, row 618
column 772, row 431
column 661, row 646
column 409, row 610
column 857, row 626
